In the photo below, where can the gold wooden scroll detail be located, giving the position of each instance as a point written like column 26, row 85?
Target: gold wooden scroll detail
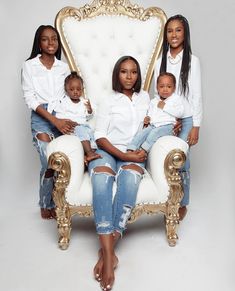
column 173, row 162
column 83, row 210
column 59, row 162
column 111, row 7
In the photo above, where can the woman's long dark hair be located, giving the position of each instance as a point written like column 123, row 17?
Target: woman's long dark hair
column 116, row 85
column 186, row 61
column 36, row 43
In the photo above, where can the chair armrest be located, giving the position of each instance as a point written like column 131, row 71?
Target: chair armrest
column 157, row 163
column 66, row 154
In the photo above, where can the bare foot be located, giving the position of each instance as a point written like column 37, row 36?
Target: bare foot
column 99, row 265
column 110, row 262
column 53, row 213
column 46, row 213
column 182, row 212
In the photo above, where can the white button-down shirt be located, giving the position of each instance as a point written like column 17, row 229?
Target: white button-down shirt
column 74, row 111
column 192, row 102
column 173, row 109
column 119, row 118
column 43, row 86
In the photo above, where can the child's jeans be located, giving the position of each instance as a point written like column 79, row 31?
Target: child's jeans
column 41, row 125
column 84, row 132
column 146, row 138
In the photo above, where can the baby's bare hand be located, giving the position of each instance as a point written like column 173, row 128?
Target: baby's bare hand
column 88, row 105
column 177, row 127
column 146, row 121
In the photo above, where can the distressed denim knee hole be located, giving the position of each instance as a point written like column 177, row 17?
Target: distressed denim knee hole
column 135, row 173
column 106, row 172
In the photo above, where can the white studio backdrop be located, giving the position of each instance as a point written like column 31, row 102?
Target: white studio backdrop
column 212, row 160
column 213, row 39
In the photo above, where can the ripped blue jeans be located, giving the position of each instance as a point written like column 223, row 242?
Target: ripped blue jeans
column 187, row 124
column 84, row 132
column 112, row 213
column 41, row 125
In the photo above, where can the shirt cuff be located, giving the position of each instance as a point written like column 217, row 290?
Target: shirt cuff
column 196, row 122
column 34, row 105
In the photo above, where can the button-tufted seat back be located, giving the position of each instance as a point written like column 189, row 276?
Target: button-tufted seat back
column 95, row 37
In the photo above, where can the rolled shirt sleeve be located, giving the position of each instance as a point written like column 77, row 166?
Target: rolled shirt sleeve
column 29, row 94
column 196, row 92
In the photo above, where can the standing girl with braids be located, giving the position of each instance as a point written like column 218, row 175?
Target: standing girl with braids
column 178, row 59
column 43, row 77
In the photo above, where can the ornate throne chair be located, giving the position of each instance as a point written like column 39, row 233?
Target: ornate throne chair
column 93, row 38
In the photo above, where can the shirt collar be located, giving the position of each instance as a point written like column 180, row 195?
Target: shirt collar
column 37, row 61
column 118, row 95
column 176, row 59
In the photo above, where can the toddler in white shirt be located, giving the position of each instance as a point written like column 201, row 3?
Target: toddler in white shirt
column 162, row 113
column 76, row 108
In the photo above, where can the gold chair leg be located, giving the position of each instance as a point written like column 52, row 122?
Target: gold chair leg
column 171, row 229
column 64, row 227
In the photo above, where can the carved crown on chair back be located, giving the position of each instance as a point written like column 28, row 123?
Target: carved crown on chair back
column 121, row 28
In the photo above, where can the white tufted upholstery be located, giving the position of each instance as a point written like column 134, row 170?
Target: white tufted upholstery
column 95, row 51
column 94, row 37
column 153, row 189
column 95, row 45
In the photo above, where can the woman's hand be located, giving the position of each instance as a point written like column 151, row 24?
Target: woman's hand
column 177, row 127
column 138, row 156
column 65, row 126
column 193, row 136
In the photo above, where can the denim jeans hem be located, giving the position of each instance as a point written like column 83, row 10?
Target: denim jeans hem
column 50, row 207
column 99, row 232
column 120, row 230
column 146, row 146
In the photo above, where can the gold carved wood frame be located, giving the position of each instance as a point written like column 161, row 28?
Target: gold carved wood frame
column 111, row 7
column 60, row 162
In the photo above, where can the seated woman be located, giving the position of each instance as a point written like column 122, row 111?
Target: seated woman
column 117, row 122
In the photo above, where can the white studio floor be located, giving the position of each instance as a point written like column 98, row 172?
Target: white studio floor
column 202, row 260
